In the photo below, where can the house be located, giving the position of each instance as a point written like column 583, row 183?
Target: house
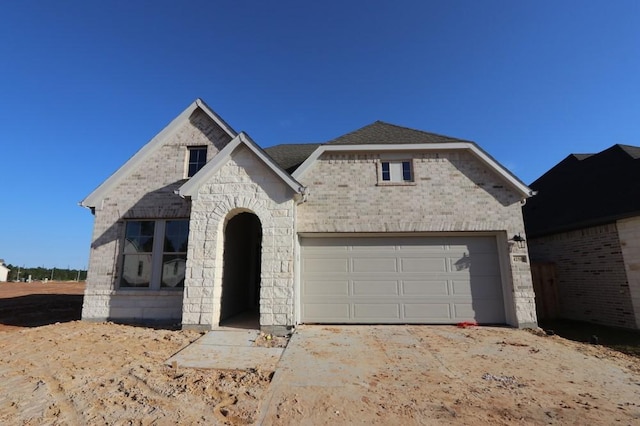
column 4, row 271
column 383, row 225
column 585, row 221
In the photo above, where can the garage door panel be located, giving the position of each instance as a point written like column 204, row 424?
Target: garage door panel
column 401, row 280
column 483, row 311
column 330, row 312
column 433, row 311
column 325, row 265
column 375, row 288
column 425, row 288
column 377, row 264
column 328, row 288
column 480, row 288
column 424, row 265
column 376, row 311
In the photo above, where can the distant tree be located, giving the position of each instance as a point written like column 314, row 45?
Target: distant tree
column 41, row 273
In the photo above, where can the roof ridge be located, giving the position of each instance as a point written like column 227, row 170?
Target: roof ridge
column 422, row 131
column 376, row 131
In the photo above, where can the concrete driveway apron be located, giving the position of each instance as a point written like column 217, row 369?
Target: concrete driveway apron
column 347, row 359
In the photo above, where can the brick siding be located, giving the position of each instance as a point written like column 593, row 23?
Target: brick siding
column 452, row 192
column 629, row 235
column 147, row 193
column 590, row 269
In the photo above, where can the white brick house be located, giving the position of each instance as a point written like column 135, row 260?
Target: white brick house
column 4, row 271
column 383, row 225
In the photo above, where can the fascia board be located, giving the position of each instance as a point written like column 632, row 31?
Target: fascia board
column 95, row 198
column 190, row 188
column 216, row 118
column 473, row 148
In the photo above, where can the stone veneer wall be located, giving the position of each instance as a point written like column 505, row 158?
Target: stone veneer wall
column 243, row 184
column 147, row 193
column 452, row 192
column 590, row 268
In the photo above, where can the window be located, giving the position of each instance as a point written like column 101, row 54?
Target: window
column 197, row 159
column 154, row 254
column 396, row 171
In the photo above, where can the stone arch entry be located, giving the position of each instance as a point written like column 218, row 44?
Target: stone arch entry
column 241, row 270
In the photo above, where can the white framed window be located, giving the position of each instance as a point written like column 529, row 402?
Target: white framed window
column 154, row 254
column 196, row 159
column 395, row 171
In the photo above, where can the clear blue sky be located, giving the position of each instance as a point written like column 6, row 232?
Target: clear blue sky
column 84, row 84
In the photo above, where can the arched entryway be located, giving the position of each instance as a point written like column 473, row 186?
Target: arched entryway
column 240, row 303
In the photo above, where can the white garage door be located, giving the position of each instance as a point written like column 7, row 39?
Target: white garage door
column 437, row 280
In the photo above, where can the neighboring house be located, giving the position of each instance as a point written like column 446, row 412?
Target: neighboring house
column 4, row 271
column 585, row 219
column 383, row 225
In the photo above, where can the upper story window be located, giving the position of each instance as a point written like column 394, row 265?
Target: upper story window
column 396, row 171
column 197, row 159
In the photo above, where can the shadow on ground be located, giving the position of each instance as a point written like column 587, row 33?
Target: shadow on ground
column 36, row 310
column 619, row 339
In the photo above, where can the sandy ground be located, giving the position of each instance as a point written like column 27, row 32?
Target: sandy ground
column 71, row 372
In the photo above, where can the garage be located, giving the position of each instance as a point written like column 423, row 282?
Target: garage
column 401, row 279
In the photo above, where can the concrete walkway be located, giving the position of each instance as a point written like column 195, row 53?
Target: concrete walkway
column 227, row 349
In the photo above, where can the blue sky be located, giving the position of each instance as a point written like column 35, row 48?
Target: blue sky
column 83, row 85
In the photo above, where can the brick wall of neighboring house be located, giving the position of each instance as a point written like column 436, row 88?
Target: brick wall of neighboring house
column 453, row 191
column 243, row 184
column 592, row 282
column 147, row 193
column 629, row 234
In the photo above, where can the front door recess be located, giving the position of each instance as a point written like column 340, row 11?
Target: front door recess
column 241, row 274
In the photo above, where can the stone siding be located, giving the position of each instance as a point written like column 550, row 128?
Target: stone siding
column 590, row 269
column 452, row 192
column 243, row 184
column 146, row 193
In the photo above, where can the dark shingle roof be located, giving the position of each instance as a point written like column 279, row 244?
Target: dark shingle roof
column 585, row 190
column 385, row 133
column 633, row 151
column 290, row 156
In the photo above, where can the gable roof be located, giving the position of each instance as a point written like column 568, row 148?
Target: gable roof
column 94, row 199
column 190, row 188
column 381, row 133
column 380, row 137
column 586, row 190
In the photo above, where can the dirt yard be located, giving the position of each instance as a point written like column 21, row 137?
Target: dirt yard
column 58, row 370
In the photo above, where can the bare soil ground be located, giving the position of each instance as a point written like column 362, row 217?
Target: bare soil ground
column 57, row 370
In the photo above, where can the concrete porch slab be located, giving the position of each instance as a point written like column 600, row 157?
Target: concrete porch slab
column 229, row 338
column 227, row 350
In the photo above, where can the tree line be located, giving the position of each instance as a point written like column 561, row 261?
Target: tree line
column 19, row 273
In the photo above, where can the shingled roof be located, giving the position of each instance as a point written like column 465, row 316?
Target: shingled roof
column 585, row 190
column 290, row 156
column 384, row 133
